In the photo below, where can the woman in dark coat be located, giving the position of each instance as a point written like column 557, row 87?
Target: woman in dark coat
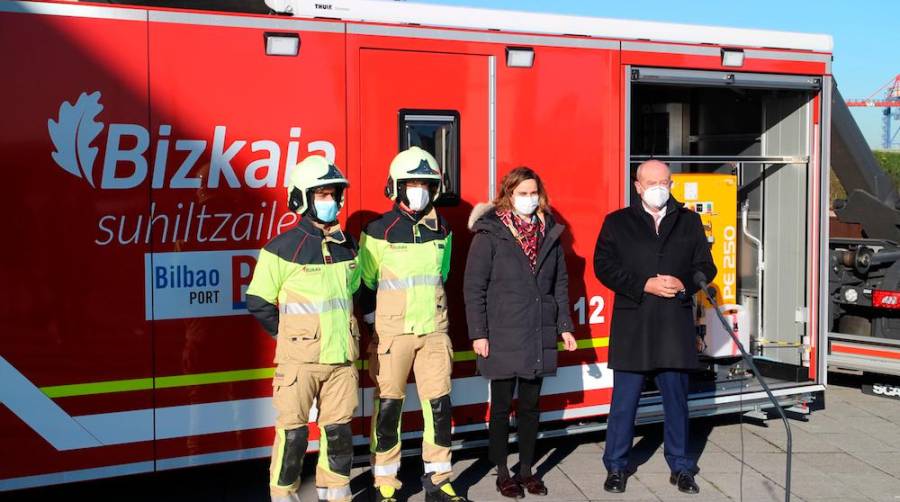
column 517, row 306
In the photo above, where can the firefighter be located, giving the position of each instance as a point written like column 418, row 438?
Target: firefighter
column 302, row 293
column 405, row 258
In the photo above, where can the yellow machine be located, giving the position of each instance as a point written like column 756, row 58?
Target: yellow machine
column 714, row 197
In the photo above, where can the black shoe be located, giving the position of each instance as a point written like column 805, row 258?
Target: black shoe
column 441, row 492
column 615, row 482
column 685, row 482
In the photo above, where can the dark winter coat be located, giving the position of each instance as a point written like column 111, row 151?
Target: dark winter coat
column 649, row 332
column 520, row 312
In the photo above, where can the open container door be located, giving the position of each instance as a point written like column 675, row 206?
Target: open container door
column 743, row 148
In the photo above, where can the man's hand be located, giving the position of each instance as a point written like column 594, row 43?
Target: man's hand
column 569, row 341
column 671, row 280
column 481, row 347
column 663, row 285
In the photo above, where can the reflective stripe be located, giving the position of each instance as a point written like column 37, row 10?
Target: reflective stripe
column 179, row 381
column 386, row 470
column 334, row 493
column 279, row 457
column 438, row 466
column 315, row 308
column 416, row 280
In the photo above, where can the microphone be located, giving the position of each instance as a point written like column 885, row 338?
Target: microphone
column 700, row 282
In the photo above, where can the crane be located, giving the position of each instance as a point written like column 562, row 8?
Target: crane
column 887, row 97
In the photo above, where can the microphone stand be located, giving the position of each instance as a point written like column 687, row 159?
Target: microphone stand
column 749, row 360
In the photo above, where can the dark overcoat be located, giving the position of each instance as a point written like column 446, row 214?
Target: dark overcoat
column 649, row 332
column 520, row 312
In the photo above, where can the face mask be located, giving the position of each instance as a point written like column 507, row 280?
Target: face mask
column 326, row 210
column 418, row 198
column 525, row 205
column 656, row 197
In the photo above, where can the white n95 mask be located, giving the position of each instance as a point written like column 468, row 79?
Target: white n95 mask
column 418, row 198
column 525, row 205
column 656, row 197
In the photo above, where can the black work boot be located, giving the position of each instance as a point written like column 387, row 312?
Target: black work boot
column 441, row 492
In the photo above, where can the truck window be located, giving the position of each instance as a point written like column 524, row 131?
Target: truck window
column 436, row 131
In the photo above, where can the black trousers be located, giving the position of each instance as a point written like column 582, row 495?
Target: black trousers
column 528, row 415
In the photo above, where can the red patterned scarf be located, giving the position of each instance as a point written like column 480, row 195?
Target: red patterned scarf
column 528, row 234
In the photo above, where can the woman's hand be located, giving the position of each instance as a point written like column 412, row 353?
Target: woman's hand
column 569, row 341
column 480, row 346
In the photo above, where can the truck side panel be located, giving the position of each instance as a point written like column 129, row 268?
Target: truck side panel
column 66, row 88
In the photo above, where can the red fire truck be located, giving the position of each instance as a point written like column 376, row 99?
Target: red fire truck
column 146, row 152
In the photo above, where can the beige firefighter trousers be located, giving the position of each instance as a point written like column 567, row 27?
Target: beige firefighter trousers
column 431, row 359
column 336, row 391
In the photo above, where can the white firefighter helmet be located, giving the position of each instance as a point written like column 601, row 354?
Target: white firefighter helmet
column 313, row 172
column 413, row 163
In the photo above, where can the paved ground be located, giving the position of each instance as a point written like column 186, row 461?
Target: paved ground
column 849, row 451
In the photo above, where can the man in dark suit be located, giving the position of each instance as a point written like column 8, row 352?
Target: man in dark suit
column 647, row 254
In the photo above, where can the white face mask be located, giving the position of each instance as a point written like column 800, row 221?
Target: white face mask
column 656, row 197
column 418, row 198
column 525, row 205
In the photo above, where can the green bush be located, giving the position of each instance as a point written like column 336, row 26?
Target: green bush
column 837, row 189
column 890, row 162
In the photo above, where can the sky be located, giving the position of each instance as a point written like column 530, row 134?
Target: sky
column 865, row 32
